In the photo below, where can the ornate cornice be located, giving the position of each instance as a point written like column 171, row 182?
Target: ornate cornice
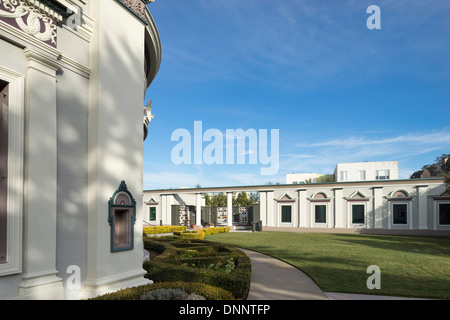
column 137, row 7
column 38, row 18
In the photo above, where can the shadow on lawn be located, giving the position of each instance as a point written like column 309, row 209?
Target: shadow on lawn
column 437, row 246
column 347, row 275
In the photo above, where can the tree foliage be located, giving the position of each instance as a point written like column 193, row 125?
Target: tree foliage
column 241, row 200
column 216, row 200
column 440, row 168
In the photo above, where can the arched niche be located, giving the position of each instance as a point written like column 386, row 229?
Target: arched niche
column 121, row 218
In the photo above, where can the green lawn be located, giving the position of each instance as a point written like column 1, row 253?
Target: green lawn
column 411, row 266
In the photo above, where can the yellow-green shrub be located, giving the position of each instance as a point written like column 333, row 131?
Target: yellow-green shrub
column 135, row 293
column 192, row 261
column 215, row 230
column 194, row 234
column 163, row 229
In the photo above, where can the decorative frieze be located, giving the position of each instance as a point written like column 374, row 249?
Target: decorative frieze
column 32, row 17
column 138, row 7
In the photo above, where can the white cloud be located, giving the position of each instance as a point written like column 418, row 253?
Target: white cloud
column 433, row 138
column 411, row 150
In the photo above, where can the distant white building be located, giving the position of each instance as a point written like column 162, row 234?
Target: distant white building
column 300, row 178
column 351, row 171
column 366, row 171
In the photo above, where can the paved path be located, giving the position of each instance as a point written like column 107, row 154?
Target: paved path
column 273, row 279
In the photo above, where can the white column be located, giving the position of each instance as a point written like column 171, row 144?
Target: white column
column 39, row 277
column 163, row 209
column 198, row 209
column 302, row 209
column 263, row 207
column 422, row 192
column 378, row 207
column 295, row 215
column 229, row 209
column 339, row 214
column 270, row 216
column 169, row 203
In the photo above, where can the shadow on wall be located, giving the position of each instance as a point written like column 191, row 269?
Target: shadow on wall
column 105, row 148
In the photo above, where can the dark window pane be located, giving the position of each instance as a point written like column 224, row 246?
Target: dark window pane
column 286, row 213
column 321, row 213
column 444, row 213
column 358, row 213
column 400, row 213
column 152, row 213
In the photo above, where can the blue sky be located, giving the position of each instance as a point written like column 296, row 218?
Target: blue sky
column 335, row 90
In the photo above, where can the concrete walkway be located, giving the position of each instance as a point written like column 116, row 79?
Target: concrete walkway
column 273, row 279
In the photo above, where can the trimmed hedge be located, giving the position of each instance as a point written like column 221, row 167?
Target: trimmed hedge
column 181, row 231
column 135, row 293
column 163, row 229
column 215, row 230
column 195, row 234
column 190, row 263
column 200, row 233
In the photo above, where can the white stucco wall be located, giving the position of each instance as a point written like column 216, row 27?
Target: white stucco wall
column 370, row 169
column 82, row 135
column 377, row 198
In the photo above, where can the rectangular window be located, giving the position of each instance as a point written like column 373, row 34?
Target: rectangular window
column 382, row 174
column 358, row 213
column 343, row 175
column 400, row 212
column 152, row 213
column 444, row 213
column 4, row 99
column 321, row 213
column 286, row 214
column 362, row 175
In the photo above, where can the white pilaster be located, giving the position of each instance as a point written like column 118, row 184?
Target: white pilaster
column 40, row 279
column 422, row 193
column 339, row 214
column 169, row 203
column 302, row 209
column 164, row 209
column 198, row 209
column 270, row 216
column 263, row 207
column 229, row 209
column 378, row 207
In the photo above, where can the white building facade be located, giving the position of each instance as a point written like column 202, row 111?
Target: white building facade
column 407, row 205
column 73, row 75
column 366, row 171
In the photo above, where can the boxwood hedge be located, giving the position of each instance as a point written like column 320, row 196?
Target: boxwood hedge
column 135, row 293
column 188, row 260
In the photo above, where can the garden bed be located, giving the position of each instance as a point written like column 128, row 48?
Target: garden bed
column 190, row 269
column 199, row 261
